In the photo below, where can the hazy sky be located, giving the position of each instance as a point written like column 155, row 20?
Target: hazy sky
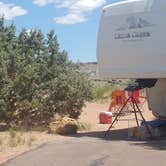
column 75, row 22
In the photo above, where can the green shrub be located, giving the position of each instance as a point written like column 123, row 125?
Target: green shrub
column 102, row 92
column 36, row 79
column 12, row 133
column 12, row 138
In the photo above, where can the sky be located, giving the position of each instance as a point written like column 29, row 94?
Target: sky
column 75, row 22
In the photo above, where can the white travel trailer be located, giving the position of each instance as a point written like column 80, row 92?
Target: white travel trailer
column 132, row 44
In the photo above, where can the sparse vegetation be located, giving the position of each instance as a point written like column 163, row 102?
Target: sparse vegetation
column 30, row 140
column 84, row 126
column 19, row 140
column 15, row 139
column 103, row 91
column 12, row 133
column 12, row 142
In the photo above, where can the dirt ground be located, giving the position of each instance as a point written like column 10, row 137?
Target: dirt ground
column 90, row 116
column 91, row 113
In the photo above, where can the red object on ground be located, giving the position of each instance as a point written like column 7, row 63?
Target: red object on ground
column 105, row 117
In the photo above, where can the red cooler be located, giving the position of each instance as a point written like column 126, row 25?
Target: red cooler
column 105, row 117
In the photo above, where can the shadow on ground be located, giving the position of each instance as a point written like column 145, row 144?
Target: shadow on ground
column 114, row 135
column 122, row 135
column 157, row 144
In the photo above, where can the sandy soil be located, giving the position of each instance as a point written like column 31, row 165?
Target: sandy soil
column 90, row 116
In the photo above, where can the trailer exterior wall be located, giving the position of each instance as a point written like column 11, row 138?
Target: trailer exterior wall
column 132, row 40
column 157, row 98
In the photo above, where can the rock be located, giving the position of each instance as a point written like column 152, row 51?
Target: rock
column 143, row 134
column 140, row 133
column 65, row 126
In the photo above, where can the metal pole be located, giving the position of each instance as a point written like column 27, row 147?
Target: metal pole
column 143, row 119
column 135, row 111
column 116, row 118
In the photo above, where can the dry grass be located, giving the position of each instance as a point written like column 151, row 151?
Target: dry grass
column 14, row 143
column 67, row 126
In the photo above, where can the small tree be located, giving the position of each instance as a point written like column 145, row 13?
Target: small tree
column 36, row 79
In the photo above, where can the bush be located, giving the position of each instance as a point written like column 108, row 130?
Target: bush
column 36, row 79
column 12, row 133
column 102, row 92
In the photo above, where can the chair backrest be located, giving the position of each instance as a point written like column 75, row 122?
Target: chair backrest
column 118, row 97
column 136, row 95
